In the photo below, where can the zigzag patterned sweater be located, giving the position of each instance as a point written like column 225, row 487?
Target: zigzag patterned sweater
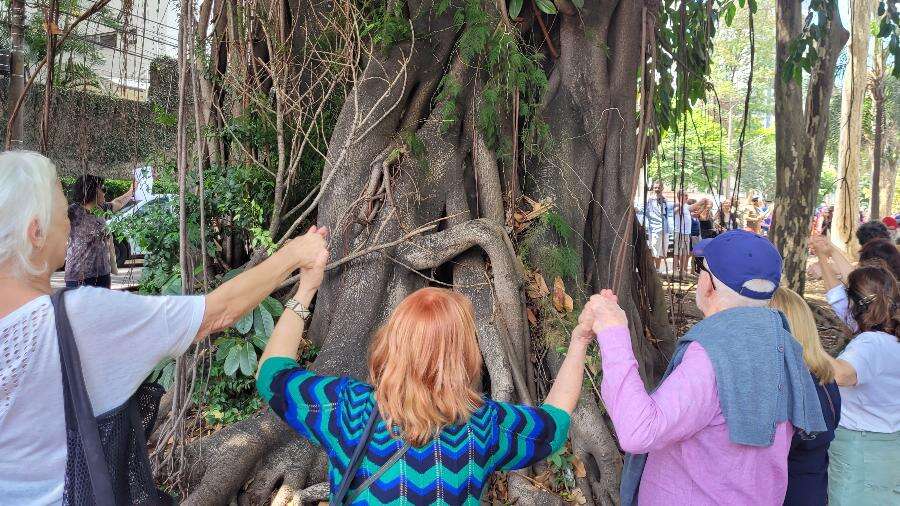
column 452, row 469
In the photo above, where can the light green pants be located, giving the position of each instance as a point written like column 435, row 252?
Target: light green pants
column 864, row 468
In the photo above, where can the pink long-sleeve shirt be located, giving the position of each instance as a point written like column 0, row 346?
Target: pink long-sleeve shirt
column 691, row 459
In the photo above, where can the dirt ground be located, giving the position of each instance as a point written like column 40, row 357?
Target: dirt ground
column 681, row 290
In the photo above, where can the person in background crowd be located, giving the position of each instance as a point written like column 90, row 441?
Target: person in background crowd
column 871, row 230
column 120, row 336
column 767, row 212
column 695, row 222
column 865, row 454
column 657, row 219
column 727, row 217
column 825, row 229
column 891, row 225
column 438, row 438
column 682, row 222
column 808, row 458
column 703, row 212
column 718, row 428
column 88, row 255
column 754, row 217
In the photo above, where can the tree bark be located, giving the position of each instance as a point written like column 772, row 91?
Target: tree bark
column 16, row 71
column 800, row 131
column 877, row 88
column 846, row 203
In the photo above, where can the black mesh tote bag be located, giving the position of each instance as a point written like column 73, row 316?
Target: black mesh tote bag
column 107, row 462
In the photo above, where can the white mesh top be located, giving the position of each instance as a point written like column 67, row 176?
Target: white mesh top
column 120, row 338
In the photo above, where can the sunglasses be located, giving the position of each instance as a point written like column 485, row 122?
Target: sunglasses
column 700, row 266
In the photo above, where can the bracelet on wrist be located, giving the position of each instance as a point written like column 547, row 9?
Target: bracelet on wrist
column 298, row 308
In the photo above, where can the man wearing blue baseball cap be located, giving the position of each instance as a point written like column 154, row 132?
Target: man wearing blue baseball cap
column 718, row 428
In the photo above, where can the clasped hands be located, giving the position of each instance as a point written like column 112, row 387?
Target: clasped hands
column 601, row 312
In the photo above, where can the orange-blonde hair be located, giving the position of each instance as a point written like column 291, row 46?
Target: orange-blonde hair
column 425, row 364
column 803, row 327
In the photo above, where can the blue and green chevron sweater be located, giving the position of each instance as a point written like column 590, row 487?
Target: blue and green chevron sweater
column 452, row 469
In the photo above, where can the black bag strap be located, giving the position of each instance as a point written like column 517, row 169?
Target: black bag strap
column 78, row 410
column 381, row 470
column 356, row 460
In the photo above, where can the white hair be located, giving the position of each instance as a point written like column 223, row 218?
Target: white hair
column 27, row 181
column 728, row 298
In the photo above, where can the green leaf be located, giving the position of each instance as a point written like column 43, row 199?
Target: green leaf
column 579, row 4
column 273, row 306
column 232, row 361
column 244, row 324
column 172, row 286
column 231, row 274
column 263, row 322
column 546, row 6
column 259, row 341
column 248, row 360
column 515, row 8
column 752, row 4
column 729, row 14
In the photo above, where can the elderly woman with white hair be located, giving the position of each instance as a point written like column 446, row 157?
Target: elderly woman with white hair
column 120, row 337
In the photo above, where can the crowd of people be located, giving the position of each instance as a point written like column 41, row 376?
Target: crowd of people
column 751, row 409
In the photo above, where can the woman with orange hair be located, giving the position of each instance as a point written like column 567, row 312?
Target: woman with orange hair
column 420, row 431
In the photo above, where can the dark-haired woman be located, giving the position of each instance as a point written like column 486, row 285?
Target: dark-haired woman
column 88, row 255
column 864, row 467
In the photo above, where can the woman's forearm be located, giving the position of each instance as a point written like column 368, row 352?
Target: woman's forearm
column 232, row 300
column 844, row 373
column 288, row 331
column 829, row 278
column 567, row 386
column 841, row 264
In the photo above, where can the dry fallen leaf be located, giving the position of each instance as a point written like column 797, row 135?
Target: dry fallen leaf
column 561, row 300
column 578, row 496
column 536, row 287
column 578, row 466
column 532, row 319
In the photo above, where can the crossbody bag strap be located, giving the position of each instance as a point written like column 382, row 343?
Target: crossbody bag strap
column 356, row 459
column 78, row 410
column 377, row 474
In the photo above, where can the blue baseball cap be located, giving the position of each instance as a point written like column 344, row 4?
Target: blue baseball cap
column 738, row 256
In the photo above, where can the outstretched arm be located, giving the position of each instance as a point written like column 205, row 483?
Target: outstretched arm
column 288, row 331
column 567, row 386
column 233, row 299
column 684, row 403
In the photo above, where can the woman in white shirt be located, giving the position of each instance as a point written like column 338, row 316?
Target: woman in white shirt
column 865, row 454
column 120, row 336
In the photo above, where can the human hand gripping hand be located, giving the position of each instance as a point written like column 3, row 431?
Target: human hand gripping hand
column 583, row 333
column 820, row 245
column 606, row 311
column 303, row 251
column 314, row 257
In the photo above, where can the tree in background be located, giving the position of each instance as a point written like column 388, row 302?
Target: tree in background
column 846, row 204
column 801, row 126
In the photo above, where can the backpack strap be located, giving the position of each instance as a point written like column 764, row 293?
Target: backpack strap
column 78, row 410
column 356, row 460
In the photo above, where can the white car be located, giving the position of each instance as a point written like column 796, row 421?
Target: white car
column 129, row 248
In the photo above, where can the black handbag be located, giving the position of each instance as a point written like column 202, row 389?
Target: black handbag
column 107, row 461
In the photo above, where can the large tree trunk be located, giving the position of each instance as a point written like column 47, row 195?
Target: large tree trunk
column 846, row 204
column 375, row 192
column 800, row 137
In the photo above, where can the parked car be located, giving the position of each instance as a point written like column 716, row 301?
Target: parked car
column 128, row 247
